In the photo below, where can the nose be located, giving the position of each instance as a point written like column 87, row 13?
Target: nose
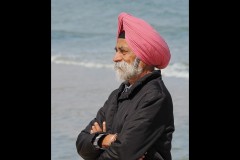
column 117, row 57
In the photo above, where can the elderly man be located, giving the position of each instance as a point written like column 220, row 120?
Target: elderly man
column 136, row 122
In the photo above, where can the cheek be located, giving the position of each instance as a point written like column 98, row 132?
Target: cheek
column 129, row 58
column 141, row 64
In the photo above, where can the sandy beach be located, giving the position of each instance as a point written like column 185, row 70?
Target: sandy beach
column 78, row 92
column 82, row 47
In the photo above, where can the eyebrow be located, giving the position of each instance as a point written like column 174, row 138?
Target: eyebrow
column 121, row 48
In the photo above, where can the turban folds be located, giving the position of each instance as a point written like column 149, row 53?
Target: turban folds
column 144, row 40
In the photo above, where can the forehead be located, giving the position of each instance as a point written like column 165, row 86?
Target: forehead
column 121, row 42
column 122, row 45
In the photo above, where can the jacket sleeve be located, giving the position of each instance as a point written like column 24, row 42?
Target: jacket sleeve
column 142, row 128
column 84, row 144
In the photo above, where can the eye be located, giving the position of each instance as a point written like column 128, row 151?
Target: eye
column 123, row 51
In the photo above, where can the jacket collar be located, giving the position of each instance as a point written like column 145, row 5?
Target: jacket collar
column 137, row 85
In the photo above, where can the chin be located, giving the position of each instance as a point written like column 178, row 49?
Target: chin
column 120, row 75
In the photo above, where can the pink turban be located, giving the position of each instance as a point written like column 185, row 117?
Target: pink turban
column 144, row 40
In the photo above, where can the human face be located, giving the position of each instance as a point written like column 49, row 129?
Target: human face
column 123, row 52
column 126, row 62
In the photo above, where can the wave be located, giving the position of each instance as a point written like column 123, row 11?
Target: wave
column 179, row 70
column 74, row 61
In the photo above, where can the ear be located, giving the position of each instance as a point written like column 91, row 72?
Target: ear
column 146, row 67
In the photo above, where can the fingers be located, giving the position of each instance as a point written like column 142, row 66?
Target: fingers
column 97, row 128
column 108, row 140
column 141, row 158
column 104, row 127
column 94, row 130
column 114, row 138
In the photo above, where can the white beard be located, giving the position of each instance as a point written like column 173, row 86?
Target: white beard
column 125, row 71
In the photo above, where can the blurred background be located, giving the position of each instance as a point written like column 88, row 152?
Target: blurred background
column 83, row 37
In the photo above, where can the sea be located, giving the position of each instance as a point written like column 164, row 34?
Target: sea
column 83, row 37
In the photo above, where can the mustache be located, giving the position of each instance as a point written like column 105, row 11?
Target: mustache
column 123, row 64
column 126, row 71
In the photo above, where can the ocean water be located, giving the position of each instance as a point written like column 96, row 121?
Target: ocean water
column 84, row 31
column 83, row 36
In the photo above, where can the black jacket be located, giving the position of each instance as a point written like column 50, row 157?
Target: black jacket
column 142, row 118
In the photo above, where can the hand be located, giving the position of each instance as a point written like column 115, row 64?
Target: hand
column 108, row 140
column 141, row 158
column 96, row 128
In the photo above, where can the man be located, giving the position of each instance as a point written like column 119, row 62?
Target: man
column 136, row 122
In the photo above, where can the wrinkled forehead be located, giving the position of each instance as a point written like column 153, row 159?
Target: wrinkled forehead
column 122, row 43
